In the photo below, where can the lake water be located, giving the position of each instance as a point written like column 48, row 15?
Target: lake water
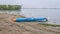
column 52, row 14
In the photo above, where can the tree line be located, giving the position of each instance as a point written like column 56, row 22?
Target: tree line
column 10, row 7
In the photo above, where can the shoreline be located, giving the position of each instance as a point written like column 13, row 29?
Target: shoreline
column 9, row 27
column 20, row 16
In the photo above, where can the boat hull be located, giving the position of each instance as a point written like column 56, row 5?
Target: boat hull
column 31, row 20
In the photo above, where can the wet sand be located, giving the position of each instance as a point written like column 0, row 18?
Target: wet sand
column 9, row 27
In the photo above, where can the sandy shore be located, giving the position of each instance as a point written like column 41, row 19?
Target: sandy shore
column 9, row 27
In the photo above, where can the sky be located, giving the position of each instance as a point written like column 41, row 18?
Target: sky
column 34, row 3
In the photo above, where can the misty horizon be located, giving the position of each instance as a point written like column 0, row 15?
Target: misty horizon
column 33, row 3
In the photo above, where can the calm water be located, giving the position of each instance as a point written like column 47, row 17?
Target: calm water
column 52, row 14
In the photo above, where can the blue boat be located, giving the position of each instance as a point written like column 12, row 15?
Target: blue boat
column 31, row 20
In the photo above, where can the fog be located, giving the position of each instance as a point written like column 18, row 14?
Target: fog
column 34, row 3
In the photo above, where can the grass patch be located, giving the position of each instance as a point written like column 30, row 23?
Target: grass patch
column 54, row 25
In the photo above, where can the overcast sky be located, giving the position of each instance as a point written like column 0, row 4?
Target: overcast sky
column 34, row 3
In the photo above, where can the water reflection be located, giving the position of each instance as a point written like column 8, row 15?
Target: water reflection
column 16, row 12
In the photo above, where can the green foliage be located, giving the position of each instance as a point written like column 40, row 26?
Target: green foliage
column 10, row 7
